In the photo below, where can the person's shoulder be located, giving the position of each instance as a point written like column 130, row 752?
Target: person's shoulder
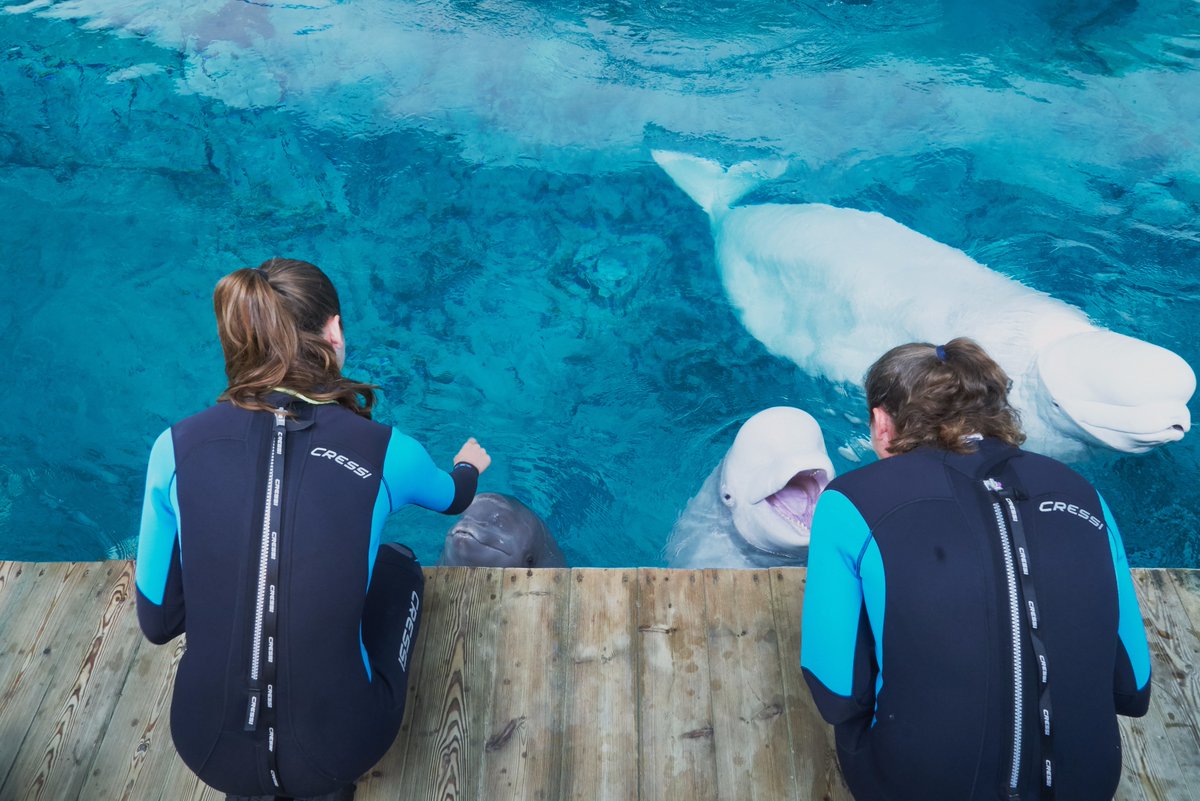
column 882, row 470
column 219, row 413
column 1042, row 469
column 335, row 414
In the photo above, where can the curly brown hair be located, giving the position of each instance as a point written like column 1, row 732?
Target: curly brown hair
column 938, row 396
column 269, row 320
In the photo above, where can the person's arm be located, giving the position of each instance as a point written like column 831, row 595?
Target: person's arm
column 836, row 646
column 1131, row 674
column 410, row 476
column 159, row 571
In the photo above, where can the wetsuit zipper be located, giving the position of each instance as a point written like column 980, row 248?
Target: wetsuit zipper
column 1014, row 610
column 260, row 599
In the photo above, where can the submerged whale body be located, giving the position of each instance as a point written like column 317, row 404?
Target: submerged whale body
column 755, row 508
column 832, row 289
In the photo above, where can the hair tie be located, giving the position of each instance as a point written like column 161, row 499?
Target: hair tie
column 940, row 352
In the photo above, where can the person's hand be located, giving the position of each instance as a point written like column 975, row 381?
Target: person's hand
column 473, row 453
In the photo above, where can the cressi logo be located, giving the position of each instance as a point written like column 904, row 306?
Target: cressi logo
column 337, row 458
column 1071, row 509
column 414, row 604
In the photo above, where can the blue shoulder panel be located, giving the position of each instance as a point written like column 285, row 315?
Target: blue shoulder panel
column 160, row 520
column 833, row 596
column 1131, row 629
column 410, row 476
column 874, row 585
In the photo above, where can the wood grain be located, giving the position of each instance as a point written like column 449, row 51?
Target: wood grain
column 1164, row 745
column 61, row 743
column 817, row 774
column 547, row 684
column 755, row 759
column 53, row 643
column 600, row 754
column 522, row 757
column 438, row 752
column 675, row 717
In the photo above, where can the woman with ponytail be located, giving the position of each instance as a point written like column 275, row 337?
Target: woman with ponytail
column 260, row 538
column 970, row 626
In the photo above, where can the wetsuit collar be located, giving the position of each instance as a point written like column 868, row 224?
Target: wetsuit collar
column 304, row 398
column 987, row 457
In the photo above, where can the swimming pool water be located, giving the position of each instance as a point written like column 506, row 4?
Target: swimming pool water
column 475, row 176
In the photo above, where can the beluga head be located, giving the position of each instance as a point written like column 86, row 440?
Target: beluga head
column 1123, row 393
column 771, row 477
column 499, row 531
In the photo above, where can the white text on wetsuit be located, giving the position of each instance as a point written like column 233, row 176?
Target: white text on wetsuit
column 1071, row 509
column 353, row 467
column 413, row 605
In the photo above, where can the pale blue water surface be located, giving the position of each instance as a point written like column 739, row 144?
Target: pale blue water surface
column 475, row 176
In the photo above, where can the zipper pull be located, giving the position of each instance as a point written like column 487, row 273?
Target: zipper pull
column 993, row 485
column 280, row 417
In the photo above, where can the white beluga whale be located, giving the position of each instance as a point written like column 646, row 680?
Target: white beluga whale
column 832, row 289
column 755, row 508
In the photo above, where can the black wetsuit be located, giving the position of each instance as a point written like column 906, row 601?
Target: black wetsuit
column 969, row 641
column 299, row 625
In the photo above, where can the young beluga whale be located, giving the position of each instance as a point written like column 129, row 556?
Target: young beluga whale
column 499, row 531
column 755, row 508
column 834, row 288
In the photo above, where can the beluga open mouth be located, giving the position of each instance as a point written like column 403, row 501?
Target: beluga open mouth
column 771, row 477
column 796, row 500
column 755, row 509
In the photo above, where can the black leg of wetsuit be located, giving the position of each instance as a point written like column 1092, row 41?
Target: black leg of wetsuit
column 392, row 618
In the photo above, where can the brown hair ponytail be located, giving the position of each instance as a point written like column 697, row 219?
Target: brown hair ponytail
column 269, row 321
column 940, row 395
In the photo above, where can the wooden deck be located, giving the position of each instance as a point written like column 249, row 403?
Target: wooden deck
column 548, row 684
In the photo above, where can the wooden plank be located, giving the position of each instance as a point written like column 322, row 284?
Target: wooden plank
column 52, row 641
column 136, row 753
column 439, row 751
column 677, row 756
column 1162, row 747
column 530, row 684
column 600, row 754
column 750, row 730
column 1187, row 584
column 61, row 743
column 17, row 579
column 522, row 757
column 817, row 773
column 30, row 592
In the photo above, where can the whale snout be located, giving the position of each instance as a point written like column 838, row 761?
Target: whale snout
column 1124, row 393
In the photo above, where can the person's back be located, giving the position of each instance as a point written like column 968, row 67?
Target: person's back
column 959, row 601
column 260, row 537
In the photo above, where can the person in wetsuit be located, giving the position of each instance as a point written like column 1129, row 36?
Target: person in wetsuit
column 260, row 538
column 970, row 626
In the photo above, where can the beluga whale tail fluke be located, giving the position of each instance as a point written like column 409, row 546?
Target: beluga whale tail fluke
column 833, row 288
column 713, row 187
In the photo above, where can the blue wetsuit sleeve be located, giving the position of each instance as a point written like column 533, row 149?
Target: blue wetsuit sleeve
column 1131, row 675
column 836, row 645
column 159, row 571
column 410, row 476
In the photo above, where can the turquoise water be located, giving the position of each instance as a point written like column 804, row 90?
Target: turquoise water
column 476, row 178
